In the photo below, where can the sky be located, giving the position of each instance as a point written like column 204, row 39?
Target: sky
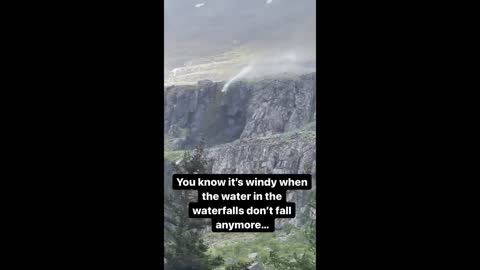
column 198, row 28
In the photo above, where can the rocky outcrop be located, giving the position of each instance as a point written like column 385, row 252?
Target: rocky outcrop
column 193, row 113
column 279, row 106
column 279, row 154
column 287, row 153
column 256, row 266
column 247, row 110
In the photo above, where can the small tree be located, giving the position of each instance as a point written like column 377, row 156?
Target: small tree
column 184, row 246
column 303, row 262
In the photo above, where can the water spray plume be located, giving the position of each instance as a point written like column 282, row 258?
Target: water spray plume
column 239, row 75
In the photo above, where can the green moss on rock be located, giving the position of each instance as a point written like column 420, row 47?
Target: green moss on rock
column 173, row 156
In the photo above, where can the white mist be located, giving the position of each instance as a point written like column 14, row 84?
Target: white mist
column 241, row 74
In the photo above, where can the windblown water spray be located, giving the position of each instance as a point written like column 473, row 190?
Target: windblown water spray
column 242, row 73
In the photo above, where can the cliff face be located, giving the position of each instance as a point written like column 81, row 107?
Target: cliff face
column 203, row 111
column 266, row 126
column 279, row 106
column 278, row 154
column 245, row 110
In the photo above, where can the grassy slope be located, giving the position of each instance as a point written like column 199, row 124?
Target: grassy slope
column 235, row 247
column 173, row 155
column 217, row 67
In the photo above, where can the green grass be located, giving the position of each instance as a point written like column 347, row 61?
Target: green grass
column 235, row 247
column 183, row 132
column 310, row 126
column 173, row 155
column 218, row 66
column 167, row 142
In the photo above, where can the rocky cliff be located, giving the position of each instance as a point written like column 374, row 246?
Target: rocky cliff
column 248, row 109
column 262, row 126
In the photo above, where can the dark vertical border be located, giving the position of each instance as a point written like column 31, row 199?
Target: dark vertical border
column 101, row 81
column 162, row 191
column 318, row 142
